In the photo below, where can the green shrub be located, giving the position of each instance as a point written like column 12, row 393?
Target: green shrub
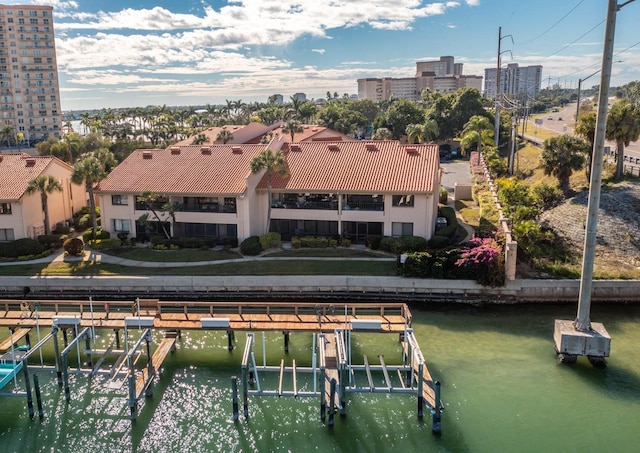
column 155, row 240
column 443, row 195
column 51, row 241
column 412, row 244
column 159, row 247
column 21, row 247
column 251, row 246
column 270, row 240
column 100, row 234
column 230, row 242
column 373, row 241
column 61, row 229
column 105, row 244
column 344, row 242
column 314, row 242
column 296, row 243
column 74, row 246
column 390, row 244
column 438, row 241
column 333, row 243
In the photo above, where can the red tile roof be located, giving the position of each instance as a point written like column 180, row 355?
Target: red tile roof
column 16, row 170
column 311, row 132
column 250, row 133
column 366, row 167
column 201, row 169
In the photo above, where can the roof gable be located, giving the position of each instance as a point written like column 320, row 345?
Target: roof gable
column 195, row 169
column 380, row 166
column 17, row 170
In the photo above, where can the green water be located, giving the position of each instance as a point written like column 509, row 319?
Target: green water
column 502, row 387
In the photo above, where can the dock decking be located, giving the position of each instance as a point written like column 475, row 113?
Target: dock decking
column 14, row 338
column 247, row 316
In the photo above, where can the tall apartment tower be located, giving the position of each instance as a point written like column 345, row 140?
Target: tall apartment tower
column 514, row 79
column 29, row 91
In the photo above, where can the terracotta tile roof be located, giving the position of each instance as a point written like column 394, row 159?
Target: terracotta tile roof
column 16, row 170
column 250, row 133
column 311, row 132
column 366, row 167
column 201, row 169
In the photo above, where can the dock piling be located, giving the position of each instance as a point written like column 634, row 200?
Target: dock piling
column 65, row 339
column 286, row 342
column 56, row 353
column 436, row 427
column 117, row 332
column 27, row 385
column 421, row 384
column 332, row 399
column 234, row 393
column 230, row 338
column 36, row 385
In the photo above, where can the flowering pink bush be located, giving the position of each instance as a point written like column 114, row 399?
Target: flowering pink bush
column 484, row 256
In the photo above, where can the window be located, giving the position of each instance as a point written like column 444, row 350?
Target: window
column 119, row 200
column 403, row 200
column 5, row 208
column 122, row 225
column 6, row 234
column 401, row 229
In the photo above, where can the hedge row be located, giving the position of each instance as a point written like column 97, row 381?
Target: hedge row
column 194, row 243
column 21, row 247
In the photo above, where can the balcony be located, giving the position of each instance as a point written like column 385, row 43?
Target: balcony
column 326, row 202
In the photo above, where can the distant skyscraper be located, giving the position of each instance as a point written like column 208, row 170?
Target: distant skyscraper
column 514, row 79
column 443, row 76
column 29, row 91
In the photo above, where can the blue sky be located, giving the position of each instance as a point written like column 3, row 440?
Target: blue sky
column 142, row 52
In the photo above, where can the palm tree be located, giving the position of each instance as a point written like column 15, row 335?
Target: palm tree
column 419, row 132
column 623, row 127
column 150, row 199
column 45, row 184
column 382, row 133
column 225, row 136
column 91, row 169
column 586, row 128
column 292, row 127
column 562, row 155
column 478, row 130
column 270, row 162
column 6, row 132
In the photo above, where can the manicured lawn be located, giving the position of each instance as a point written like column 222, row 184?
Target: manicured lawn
column 338, row 252
column 166, row 256
column 253, row 267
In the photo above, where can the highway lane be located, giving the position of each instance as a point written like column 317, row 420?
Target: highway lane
column 563, row 122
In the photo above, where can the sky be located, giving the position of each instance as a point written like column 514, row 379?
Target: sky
column 192, row 52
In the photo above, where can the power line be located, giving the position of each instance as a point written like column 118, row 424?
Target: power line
column 597, row 62
column 577, row 39
column 553, row 26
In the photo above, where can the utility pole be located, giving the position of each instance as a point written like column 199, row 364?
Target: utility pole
column 582, row 322
column 497, row 101
column 583, row 337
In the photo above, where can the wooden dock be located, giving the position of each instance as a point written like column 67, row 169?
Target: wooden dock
column 157, row 359
column 13, row 339
column 331, row 370
column 242, row 316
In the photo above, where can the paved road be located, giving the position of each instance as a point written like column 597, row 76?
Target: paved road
column 565, row 126
column 455, row 172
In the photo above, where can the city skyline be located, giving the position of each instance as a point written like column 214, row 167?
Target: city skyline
column 126, row 54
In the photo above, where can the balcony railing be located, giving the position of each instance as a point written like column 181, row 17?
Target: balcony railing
column 320, row 205
column 363, row 206
column 209, row 207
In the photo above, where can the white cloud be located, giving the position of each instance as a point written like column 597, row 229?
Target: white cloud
column 320, row 51
column 472, row 2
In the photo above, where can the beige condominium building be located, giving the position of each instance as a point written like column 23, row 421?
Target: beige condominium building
column 29, row 91
column 442, row 76
column 349, row 189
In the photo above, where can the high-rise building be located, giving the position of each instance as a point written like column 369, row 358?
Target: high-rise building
column 29, row 91
column 442, row 76
column 514, row 80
